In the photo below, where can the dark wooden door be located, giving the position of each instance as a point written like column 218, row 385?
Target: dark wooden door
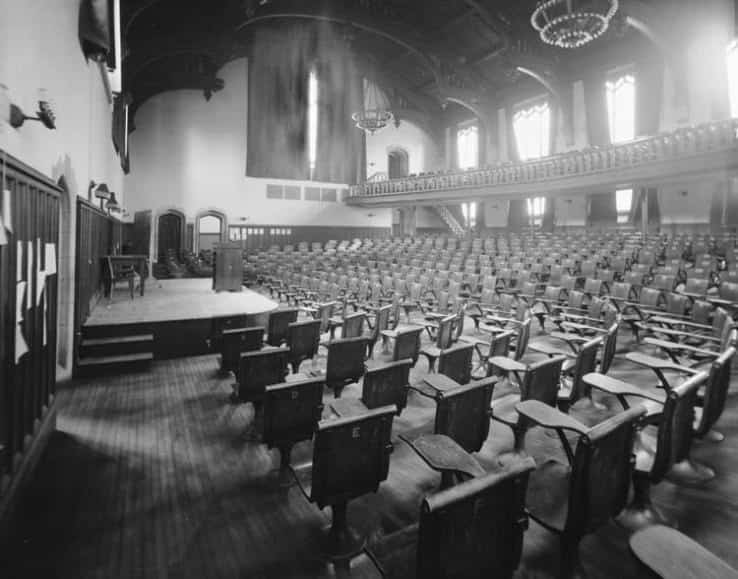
column 141, row 233
column 170, row 235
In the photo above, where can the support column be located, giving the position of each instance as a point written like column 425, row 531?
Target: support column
column 644, row 212
column 408, row 221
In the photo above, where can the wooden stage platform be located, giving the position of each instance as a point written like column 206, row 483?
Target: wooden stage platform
column 176, row 317
column 168, row 300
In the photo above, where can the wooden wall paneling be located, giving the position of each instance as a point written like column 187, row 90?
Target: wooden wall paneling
column 28, row 386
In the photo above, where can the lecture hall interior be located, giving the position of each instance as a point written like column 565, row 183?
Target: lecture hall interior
column 368, row 288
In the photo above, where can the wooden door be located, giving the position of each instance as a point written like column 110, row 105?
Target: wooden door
column 170, row 235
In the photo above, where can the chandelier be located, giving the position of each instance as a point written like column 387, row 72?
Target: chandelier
column 572, row 23
column 376, row 114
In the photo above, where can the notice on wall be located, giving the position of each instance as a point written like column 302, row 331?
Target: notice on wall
column 3, row 235
column 21, row 347
column 46, row 314
column 7, row 213
column 50, row 259
column 29, row 266
column 19, row 262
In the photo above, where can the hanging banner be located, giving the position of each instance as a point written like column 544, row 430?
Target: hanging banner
column 7, row 213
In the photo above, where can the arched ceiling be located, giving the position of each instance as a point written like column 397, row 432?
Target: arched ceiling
column 424, row 53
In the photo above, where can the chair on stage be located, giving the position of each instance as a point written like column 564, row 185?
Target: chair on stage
column 303, row 340
column 471, row 531
column 234, row 342
column 277, row 328
column 575, row 499
column 122, row 272
column 292, row 411
column 387, row 384
column 350, row 459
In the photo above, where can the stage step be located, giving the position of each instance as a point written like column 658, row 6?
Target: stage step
column 96, row 365
column 116, row 345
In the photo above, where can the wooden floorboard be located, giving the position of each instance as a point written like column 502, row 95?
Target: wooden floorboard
column 151, row 475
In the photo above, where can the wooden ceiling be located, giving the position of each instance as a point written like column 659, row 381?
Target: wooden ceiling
column 424, row 53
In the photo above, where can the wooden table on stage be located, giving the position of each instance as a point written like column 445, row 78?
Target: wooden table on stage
column 137, row 261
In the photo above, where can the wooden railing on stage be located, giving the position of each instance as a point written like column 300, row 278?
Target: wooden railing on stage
column 28, row 318
column 639, row 159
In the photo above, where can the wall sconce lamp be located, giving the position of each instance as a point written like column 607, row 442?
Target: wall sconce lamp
column 101, row 192
column 45, row 114
column 112, row 205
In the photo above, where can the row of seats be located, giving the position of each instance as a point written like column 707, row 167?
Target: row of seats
column 556, row 380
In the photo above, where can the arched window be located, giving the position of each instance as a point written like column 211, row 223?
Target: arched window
column 621, row 108
column 623, row 204
column 469, row 211
column 532, row 127
column 467, row 147
column 397, row 163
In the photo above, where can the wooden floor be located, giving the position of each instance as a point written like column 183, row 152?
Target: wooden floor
column 151, row 475
column 176, row 299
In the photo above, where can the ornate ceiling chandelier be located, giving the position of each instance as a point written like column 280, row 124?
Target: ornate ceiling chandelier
column 572, row 23
column 376, row 114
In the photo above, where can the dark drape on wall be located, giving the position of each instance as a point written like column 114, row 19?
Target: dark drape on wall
column 517, row 216
column 277, row 102
column 649, row 95
column 95, row 31
column 602, row 208
column 279, row 67
column 595, row 104
column 340, row 94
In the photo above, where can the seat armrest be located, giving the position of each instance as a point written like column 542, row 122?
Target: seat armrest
column 549, row 350
column 620, row 388
column 666, row 345
column 508, row 364
column 658, row 363
column 549, row 417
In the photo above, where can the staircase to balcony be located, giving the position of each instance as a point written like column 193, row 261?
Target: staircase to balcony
column 446, row 213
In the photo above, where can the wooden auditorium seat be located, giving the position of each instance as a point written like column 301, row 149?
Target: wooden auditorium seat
column 473, row 530
column 236, row 341
column 256, row 371
column 277, row 327
column 303, row 340
column 346, row 363
column 351, row 457
column 292, row 411
column 387, row 384
column 575, row 498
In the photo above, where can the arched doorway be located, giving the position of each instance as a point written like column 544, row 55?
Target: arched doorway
column 170, row 227
column 397, row 163
column 210, row 228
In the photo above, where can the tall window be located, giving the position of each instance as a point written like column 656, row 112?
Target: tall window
column 623, row 204
column 732, row 61
column 621, row 108
column 532, row 127
column 536, row 209
column 467, row 147
column 470, row 214
column 312, row 121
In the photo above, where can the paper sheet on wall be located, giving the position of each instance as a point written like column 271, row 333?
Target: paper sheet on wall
column 40, row 285
column 19, row 262
column 46, row 310
column 50, row 260
column 21, row 347
column 3, row 235
column 29, row 266
column 7, row 213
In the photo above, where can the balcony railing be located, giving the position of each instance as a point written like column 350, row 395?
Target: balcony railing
column 682, row 143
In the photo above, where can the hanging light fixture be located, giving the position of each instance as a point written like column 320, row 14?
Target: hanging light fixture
column 376, row 114
column 572, row 23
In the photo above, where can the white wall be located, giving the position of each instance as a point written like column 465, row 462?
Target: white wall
column 190, row 154
column 570, row 211
column 496, row 212
column 694, row 207
column 423, row 154
column 427, row 218
column 39, row 48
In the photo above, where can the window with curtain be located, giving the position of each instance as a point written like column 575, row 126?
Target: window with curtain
column 532, row 127
column 312, row 121
column 536, row 209
column 470, row 214
column 621, row 108
column 623, row 204
column 732, row 62
column 467, row 147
